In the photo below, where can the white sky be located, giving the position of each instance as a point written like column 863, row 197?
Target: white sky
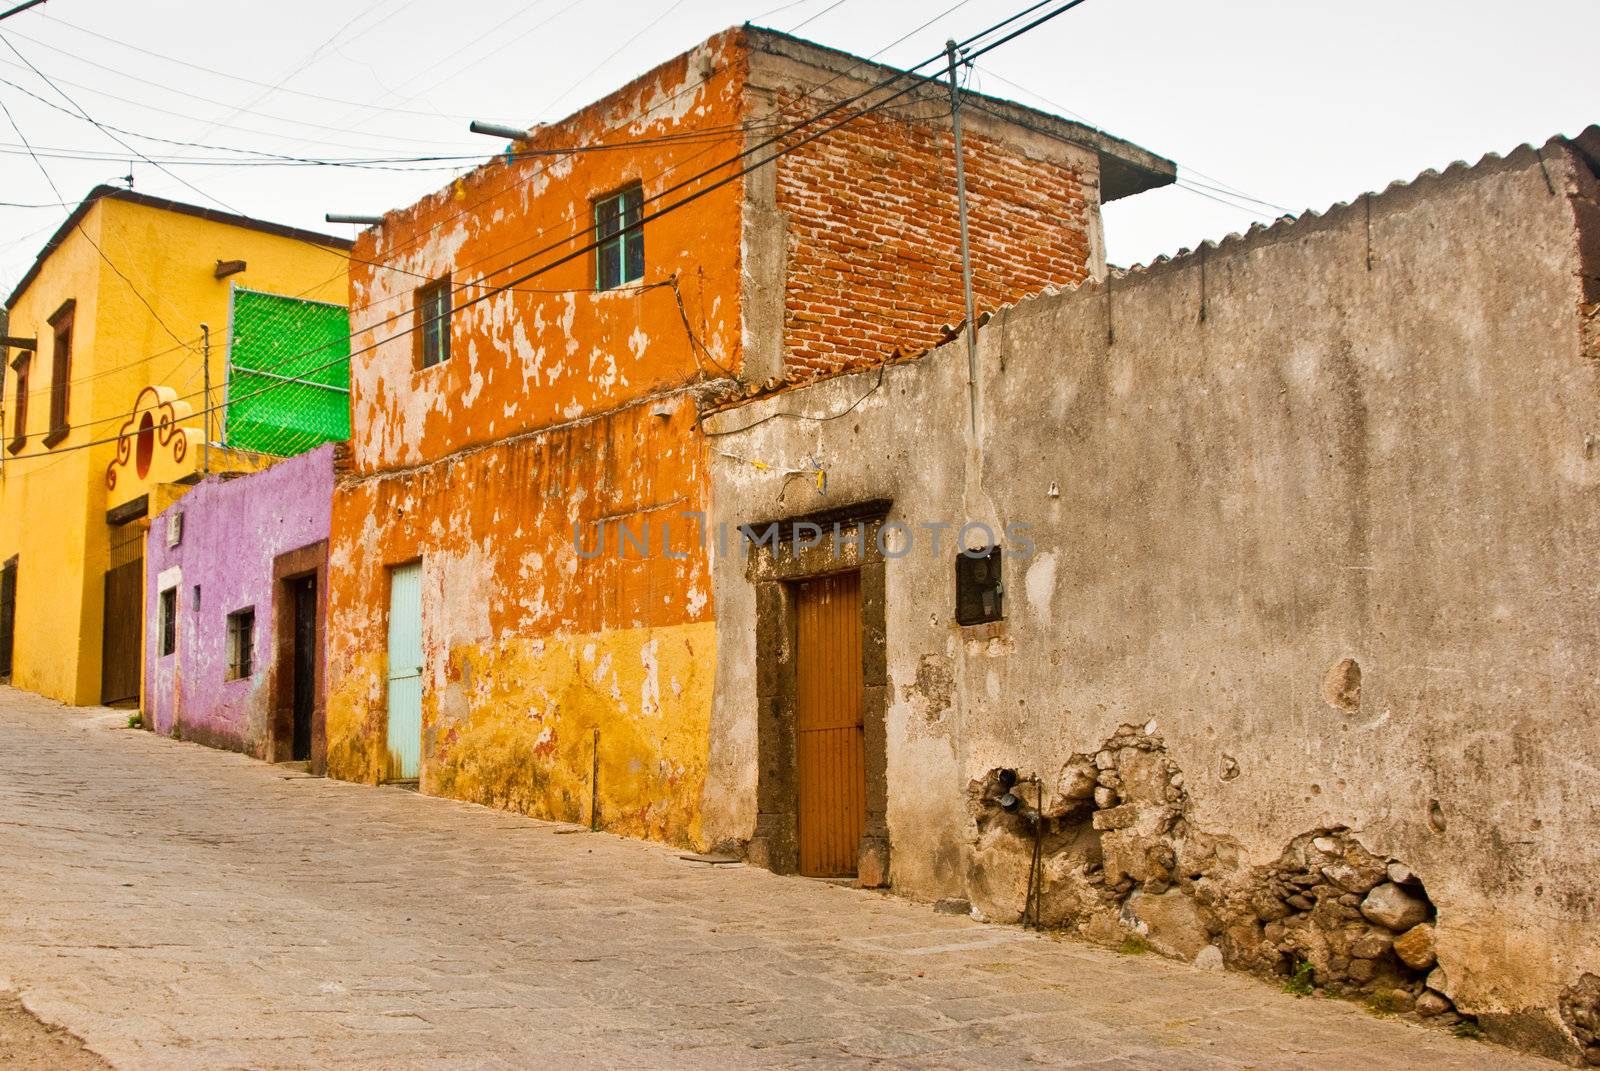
column 1293, row 103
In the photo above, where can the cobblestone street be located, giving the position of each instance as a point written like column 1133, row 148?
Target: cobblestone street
column 177, row 907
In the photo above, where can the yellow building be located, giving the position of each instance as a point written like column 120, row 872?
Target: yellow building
column 105, row 416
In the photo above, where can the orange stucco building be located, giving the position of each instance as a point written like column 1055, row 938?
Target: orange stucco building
column 525, row 384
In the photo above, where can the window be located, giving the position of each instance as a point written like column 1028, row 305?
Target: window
column 169, row 621
column 19, row 412
column 978, row 590
column 619, row 238
column 197, row 598
column 433, row 323
column 60, row 373
column 241, row 643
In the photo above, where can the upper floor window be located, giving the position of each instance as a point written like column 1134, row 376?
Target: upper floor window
column 60, row 373
column 19, row 408
column 433, row 322
column 619, row 238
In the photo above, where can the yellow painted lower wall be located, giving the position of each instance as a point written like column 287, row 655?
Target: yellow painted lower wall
column 512, row 725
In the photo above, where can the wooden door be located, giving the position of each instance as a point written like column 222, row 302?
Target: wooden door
column 830, row 754
column 8, row 613
column 122, row 629
column 304, row 593
column 405, row 672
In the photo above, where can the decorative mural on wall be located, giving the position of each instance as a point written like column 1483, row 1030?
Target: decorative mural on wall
column 151, row 446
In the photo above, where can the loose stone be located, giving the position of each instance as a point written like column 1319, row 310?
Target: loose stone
column 1431, row 1004
column 1415, row 947
column 1390, row 905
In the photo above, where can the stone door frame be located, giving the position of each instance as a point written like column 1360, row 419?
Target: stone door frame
column 775, row 566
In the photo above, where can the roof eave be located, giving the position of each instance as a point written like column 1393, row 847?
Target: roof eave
column 102, row 192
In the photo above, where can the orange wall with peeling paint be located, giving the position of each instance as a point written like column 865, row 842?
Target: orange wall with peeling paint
column 560, row 407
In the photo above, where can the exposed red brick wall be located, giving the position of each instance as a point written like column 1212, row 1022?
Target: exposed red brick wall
column 874, row 242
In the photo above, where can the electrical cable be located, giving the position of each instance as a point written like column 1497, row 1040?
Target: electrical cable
column 109, row 262
column 808, row 21
column 918, row 82
column 224, row 74
column 646, row 28
column 310, row 58
column 110, row 134
column 1225, row 187
column 123, row 98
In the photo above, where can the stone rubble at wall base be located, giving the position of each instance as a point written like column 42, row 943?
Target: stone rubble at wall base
column 1120, row 858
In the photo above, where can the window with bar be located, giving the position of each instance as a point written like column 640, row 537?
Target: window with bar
column 619, row 238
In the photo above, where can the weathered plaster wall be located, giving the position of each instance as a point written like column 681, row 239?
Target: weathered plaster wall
column 561, row 408
column 118, row 349
column 1363, row 436
column 233, row 528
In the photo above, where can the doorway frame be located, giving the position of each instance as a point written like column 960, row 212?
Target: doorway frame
column 775, row 571
column 310, row 560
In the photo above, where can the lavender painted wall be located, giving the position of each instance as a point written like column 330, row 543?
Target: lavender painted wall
column 233, row 530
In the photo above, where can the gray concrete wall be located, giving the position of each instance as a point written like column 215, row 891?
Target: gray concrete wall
column 1366, row 436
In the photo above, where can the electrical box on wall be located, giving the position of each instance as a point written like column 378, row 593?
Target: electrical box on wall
column 174, row 528
column 979, row 592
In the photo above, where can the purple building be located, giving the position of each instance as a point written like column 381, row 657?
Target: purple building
column 235, row 583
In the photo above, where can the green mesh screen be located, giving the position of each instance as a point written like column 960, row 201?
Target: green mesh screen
column 288, row 373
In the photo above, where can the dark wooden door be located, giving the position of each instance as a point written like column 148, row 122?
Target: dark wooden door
column 8, row 614
column 305, row 664
column 124, row 622
column 829, row 749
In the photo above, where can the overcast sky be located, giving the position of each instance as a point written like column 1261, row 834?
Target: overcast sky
column 1294, row 104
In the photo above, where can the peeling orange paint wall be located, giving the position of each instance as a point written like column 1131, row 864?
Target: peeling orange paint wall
column 560, row 407
column 557, row 407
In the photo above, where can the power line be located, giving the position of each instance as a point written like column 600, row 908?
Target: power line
column 20, row 8
column 1058, row 106
column 111, row 134
column 228, row 74
column 919, row 81
column 480, row 59
column 809, row 93
column 125, row 99
column 646, row 28
column 109, row 263
column 302, row 65
column 808, row 21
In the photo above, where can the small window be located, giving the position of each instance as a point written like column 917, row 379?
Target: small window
column 197, row 598
column 60, row 373
column 241, row 643
column 619, row 239
column 169, row 621
column 19, row 412
column 433, row 322
column 978, row 589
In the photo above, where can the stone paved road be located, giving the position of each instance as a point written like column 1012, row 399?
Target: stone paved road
column 177, row 907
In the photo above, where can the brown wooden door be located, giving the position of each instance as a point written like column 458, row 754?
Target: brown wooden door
column 124, row 622
column 829, row 751
column 8, row 614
